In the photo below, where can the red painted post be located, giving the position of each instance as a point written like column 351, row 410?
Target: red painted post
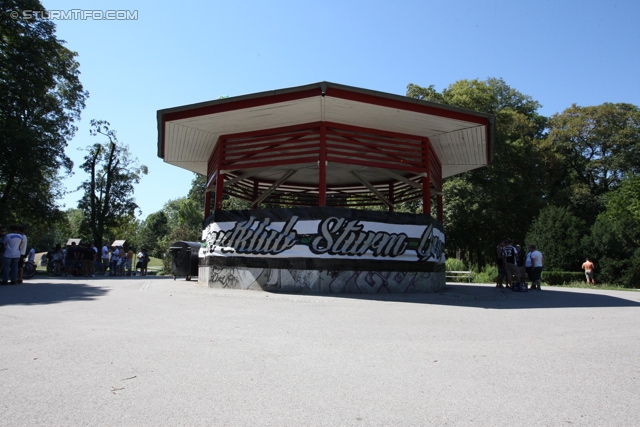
column 426, row 180
column 322, row 167
column 426, row 195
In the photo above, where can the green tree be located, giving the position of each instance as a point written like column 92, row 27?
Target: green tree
column 614, row 242
column 597, row 146
column 558, row 234
column 613, row 245
column 70, row 228
column 40, row 99
column 154, row 228
column 126, row 229
column 485, row 205
column 108, row 192
column 184, row 219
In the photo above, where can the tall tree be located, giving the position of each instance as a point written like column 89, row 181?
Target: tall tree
column 486, row 205
column 40, row 99
column 558, row 234
column 597, row 145
column 108, row 192
column 154, row 228
column 614, row 242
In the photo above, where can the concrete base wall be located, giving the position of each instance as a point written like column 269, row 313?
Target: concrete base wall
column 321, row 281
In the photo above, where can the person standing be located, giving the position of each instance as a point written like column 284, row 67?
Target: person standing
column 589, row 268
column 500, row 264
column 115, row 258
column 57, row 260
column 509, row 254
column 143, row 260
column 71, row 260
column 105, row 260
column 32, row 255
column 88, row 258
column 536, row 267
column 11, row 258
column 129, row 262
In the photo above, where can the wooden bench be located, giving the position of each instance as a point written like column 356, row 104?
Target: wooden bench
column 457, row 276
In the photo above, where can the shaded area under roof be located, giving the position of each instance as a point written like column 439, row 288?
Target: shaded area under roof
column 462, row 139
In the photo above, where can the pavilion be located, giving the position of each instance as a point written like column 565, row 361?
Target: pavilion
column 326, row 148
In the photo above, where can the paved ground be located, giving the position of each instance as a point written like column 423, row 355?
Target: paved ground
column 148, row 351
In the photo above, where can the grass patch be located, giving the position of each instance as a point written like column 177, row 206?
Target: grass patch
column 155, row 266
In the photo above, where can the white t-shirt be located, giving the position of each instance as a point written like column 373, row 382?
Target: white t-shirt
column 105, row 252
column 536, row 258
column 12, row 242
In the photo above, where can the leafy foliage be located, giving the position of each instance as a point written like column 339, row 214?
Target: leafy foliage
column 615, row 237
column 483, row 206
column 154, row 228
column 558, row 234
column 40, row 99
column 598, row 145
column 453, row 264
column 108, row 199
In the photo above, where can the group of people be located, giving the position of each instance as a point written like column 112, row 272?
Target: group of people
column 13, row 252
column 516, row 265
column 85, row 260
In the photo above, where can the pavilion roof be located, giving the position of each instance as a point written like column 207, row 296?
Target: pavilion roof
column 462, row 139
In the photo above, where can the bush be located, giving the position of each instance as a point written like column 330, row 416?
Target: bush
column 487, row 275
column 453, row 264
column 555, row 278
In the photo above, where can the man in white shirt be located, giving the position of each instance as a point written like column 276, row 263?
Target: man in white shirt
column 105, row 259
column 536, row 267
column 12, row 243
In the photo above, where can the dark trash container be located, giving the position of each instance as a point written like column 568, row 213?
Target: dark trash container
column 184, row 259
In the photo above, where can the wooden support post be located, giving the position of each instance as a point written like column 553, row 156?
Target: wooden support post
column 426, row 180
column 322, row 167
column 426, row 195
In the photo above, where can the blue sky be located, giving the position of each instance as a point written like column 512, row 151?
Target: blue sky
column 177, row 53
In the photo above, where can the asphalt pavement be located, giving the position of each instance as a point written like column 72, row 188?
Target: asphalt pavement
column 151, row 351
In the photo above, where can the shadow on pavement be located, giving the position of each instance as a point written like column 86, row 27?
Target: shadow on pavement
column 490, row 297
column 48, row 293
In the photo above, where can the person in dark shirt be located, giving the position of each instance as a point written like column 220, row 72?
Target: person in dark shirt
column 71, row 262
column 509, row 255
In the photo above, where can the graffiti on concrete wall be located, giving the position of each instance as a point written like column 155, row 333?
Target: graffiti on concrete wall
column 322, row 282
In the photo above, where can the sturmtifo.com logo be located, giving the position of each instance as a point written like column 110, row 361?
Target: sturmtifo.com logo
column 76, row 14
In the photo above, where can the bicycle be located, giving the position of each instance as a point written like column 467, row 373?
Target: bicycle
column 28, row 270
